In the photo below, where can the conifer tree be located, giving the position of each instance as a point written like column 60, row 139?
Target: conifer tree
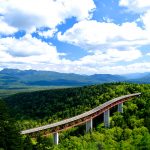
column 10, row 138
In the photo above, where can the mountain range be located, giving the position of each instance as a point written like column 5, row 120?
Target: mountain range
column 20, row 78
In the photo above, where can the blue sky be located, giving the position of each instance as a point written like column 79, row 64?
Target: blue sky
column 74, row 36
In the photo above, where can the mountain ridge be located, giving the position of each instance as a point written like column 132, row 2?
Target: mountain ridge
column 16, row 77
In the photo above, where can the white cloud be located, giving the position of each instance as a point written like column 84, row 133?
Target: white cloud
column 27, row 50
column 142, row 7
column 31, row 53
column 124, row 69
column 111, row 56
column 136, row 5
column 108, row 20
column 48, row 33
column 148, row 54
column 5, row 28
column 31, row 14
column 70, row 67
column 108, row 43
column 91, row 34
column 145, row 19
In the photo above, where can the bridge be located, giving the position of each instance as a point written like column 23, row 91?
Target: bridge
column 86, row 117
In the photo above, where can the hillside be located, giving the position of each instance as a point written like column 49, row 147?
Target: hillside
column 144, row 79
column 128, row 130
column 13, row 78
column 136, row 75
column 70, row 102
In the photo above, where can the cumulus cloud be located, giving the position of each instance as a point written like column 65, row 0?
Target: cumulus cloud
column 108, row 44
column 31, row 53
column 148, row 54
column 47, row 34
column 27, row 49
column 137, row 6
column 69, row 67
column 141, row 7
column 5, row 28
column 31, row 14
column 145, row 19
column 123, row 69
column 111, row 56
column 92, row 34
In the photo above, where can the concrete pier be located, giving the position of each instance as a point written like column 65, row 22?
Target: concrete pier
column 106, row 119
column 89, row 125
column 56, row 138
column 120, row 107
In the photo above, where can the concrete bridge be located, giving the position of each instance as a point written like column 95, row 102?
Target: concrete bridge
column 86, row 117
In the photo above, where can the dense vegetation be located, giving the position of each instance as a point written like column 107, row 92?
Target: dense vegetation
column 53, row 105
column 9, row 134
column 14, row 90
column 130, row 130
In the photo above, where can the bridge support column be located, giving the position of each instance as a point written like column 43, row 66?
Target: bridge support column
column 106, row 119
column 120, row 107
column 89, row 125
column 56, row 138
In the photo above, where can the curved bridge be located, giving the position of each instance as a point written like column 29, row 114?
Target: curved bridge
column 84, row 117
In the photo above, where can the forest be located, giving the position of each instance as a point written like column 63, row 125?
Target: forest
column 128, row 131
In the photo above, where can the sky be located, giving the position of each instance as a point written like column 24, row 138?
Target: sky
column 75, row 36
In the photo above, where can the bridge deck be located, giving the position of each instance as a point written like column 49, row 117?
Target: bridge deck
column 66, row 121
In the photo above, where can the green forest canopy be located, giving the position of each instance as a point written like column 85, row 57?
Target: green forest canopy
column 129, row 130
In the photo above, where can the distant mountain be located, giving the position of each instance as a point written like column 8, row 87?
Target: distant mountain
column 107, row 77
column 143, row 79
column 136, row 75
column 15, row 77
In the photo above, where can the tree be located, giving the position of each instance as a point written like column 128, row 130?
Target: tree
column 43, row 143
column 10, row 138
column 145, row 142
column 118, row 120
column 27, row 144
